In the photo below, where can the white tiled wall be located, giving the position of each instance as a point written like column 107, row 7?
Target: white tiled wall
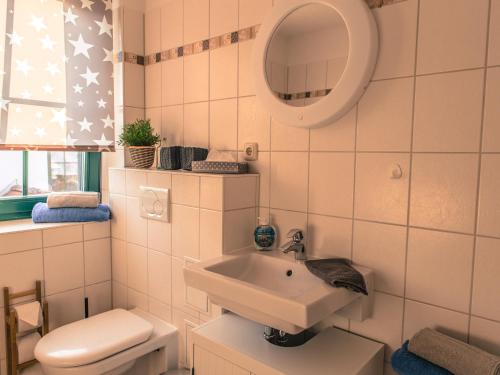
column 72, row 260
column 210, row 214
column 431, row 110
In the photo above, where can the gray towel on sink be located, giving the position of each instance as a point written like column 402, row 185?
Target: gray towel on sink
column 454, row 355
column 339, row 273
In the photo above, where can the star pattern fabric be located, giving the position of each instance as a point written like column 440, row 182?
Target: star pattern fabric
column 60, row 73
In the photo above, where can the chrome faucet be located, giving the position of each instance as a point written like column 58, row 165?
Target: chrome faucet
column 295, row 244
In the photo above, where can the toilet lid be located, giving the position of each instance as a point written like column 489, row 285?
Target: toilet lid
column 93, row 339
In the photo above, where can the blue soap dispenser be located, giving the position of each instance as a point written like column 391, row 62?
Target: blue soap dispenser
column 264, row 235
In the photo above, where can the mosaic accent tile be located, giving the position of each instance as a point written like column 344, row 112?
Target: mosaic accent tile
column 303, row 95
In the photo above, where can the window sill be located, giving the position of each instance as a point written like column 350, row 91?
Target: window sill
column 26, row 225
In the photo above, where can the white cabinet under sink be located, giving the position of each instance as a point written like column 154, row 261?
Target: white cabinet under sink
column 232, row 345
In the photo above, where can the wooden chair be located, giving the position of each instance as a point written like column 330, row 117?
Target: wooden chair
column 11, row 324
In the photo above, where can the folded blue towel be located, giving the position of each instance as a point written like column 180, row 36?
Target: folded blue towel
column 406, row 363
column 42, row 214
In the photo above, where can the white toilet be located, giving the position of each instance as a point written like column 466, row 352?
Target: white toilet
column 110, row 343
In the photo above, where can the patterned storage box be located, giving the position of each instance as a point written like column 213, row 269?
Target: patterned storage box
column 222, row 167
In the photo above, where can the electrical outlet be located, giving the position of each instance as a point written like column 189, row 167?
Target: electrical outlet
column 251, row 151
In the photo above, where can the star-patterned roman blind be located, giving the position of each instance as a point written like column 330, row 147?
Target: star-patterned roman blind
column 56, row 75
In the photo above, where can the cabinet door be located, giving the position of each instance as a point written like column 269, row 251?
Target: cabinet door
column 207, row 363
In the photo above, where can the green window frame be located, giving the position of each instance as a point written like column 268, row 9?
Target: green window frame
column 20, row 207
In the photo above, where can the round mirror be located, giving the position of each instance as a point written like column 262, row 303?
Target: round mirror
column 307, row 55
column 313, row 59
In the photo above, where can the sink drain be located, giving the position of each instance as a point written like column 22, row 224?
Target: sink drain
column 289, row 273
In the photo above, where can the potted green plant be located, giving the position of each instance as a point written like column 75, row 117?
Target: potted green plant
column 141, row 140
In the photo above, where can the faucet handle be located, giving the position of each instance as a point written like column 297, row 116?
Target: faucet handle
column 296, row 235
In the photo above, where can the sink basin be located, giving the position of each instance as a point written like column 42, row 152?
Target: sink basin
column 272, row 289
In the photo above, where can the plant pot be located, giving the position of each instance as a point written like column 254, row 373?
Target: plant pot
column 142, row 156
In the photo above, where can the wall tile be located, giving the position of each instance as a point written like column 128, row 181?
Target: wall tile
column 378, row 196
column 63, row 268
column 119, row 260
column 489, row 200
column 485, row 296
column 211, row 230
column 161, row 310
column 223, row 16
column 287, row 138
column 196, row 73
column 196, row 20
column 137, row 299
column 66, row 308
column 185, row 322
column 328, row 237
column 118, row 204
column 172, row 85
column 137, row 226
column 382, row 248
column 137, row 267
column 119, row 296
column 171, row 25
column 211, row 193
column 385, row 324
column 153, row 82
column 133, row 81
column 160, row 236
column 13, row 242
column 179, row 288
column 185, row 231
column 491, row 130
column 186, row 189
column 196, row 125
column 494, row 42
column 173, row 125
column 252, row 12
column 133, row 31
column 97, row 255
column 443, row 191
column 284, row 221
column 154, row 115
column 116, row 182
column 253, row 124
column 262, row 167
column 62, row 235
column 224, row 124
column 444, row 259
column 246, row 81
column 237, row 222
column 385, row 116
column 32, row 270
column 159, row 180
column 289, row 172
column 448, row 112
column 458, row 43
column 224, row 72
column 99, row 296
column 240, row 192
column 159, row 276
column 94, row 231
column 135, row 179
column 484, row 334
column 397, row 27
column 419, row 316
column 331, row 183
column 338, row 136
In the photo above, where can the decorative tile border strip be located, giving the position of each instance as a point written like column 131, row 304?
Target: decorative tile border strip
column 203, row 45
column 303, row 95
column 219, row 41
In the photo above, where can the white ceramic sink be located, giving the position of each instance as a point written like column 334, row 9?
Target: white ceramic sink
column 272, row 289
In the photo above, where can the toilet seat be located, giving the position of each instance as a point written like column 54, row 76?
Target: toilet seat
column 94, row 339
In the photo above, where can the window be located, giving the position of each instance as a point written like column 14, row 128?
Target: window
column 27, row 176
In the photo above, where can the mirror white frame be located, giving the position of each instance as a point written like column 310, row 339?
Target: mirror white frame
column 363, row 51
